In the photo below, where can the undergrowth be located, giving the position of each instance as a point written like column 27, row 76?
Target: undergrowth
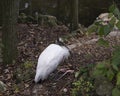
column 102, row 78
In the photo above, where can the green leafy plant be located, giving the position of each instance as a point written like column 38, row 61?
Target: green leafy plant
column 114, row 9
column 104, row 79
column 116, row 58
column 105, row 23
column 109, row 69
column 83, row 86
column 104, row 68
column 115, row 92
column 103, row 42
column 100, row 79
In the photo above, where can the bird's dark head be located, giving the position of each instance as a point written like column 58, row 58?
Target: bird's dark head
column 60, row 42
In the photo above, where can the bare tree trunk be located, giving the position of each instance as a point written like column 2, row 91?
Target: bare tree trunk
column 9, row 32
column 74, row 14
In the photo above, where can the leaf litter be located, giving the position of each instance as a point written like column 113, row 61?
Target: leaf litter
column 32, row 40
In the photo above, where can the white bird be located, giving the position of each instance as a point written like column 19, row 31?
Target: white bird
column 49, row 59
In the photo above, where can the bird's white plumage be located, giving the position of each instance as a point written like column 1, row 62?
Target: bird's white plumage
column 49, row 59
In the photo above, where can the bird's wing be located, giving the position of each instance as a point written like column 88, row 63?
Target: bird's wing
column 49, row 60
column 52, row 52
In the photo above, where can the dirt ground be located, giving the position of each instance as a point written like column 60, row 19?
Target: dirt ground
column 32, row 41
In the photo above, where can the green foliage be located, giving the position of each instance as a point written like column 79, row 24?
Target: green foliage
column 101, row 79
column 116, row 57
column 113, row 9
column 100, row 30
column 103, row 42
column 113, row 20
column 110, row 70
column 104, row 69
column 118, row 24
column 118, row 79
column 92, row 28
column 104, row 78
column 116, row 92
column 110, row 74
column 103, row 28
column 83, row 86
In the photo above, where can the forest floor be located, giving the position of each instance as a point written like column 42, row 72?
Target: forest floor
column 32, row 41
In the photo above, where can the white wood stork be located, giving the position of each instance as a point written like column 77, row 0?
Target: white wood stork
column 49, row 59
